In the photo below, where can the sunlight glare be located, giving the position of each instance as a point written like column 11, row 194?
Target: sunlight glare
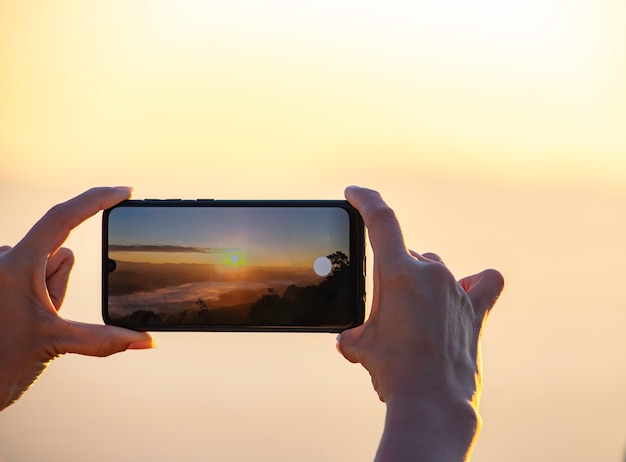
column 235, row 258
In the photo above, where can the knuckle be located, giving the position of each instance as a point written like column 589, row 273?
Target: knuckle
column 400, row 276
column 382, row 213
column 67, row 255
column 432, row 256
column 401, row 273
column 103, row 350
column 57, row 214
column 107, row 347
column 439, row 274
column 54, row 331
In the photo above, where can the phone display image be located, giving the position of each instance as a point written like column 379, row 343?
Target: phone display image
column 232, row 267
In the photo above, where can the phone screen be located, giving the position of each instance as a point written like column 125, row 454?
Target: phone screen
column 233, row 266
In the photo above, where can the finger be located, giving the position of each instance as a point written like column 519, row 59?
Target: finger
column 483, row 290
column 432, row 257
column 427, row 257
column 382, row 226
column 99, row 340
column 4, row 249
column 375, row 290
column 58, row 271
column 53, row 228
column 347, row 343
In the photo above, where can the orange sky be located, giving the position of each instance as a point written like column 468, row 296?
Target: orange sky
column 262, row 235
column 495, row 131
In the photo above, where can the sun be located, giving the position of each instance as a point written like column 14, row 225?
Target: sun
column 235, row 258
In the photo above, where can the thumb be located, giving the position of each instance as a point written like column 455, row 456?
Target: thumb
column 99, row 340
column 347, row 344
column 483, row 290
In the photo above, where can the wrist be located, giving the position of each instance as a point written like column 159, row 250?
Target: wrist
column 437, row 426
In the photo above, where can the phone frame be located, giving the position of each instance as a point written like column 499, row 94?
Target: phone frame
column 357, row 255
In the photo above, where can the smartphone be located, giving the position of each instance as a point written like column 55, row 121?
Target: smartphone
column 233, row 265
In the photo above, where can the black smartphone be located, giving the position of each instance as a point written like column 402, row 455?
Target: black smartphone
column 233, row 265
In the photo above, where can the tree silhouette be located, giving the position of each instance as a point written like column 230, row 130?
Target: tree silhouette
column 271, row 309
column 201, row 304
column 339, row 260
column 317, row 304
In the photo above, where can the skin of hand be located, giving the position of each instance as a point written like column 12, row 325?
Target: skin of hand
column 421, row 342
column 33, row 280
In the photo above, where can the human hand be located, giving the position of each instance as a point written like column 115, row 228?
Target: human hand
column 33, row 281
column 421, row 342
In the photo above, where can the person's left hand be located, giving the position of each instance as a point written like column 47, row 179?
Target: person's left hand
column 33, row 281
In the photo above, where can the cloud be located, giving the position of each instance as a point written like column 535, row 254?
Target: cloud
column 164, row 248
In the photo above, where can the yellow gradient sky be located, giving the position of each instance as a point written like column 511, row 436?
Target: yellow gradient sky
column 496, row 131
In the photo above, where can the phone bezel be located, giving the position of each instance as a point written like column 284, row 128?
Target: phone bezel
column 357, row 254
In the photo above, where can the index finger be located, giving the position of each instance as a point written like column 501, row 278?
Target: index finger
column 382, row 225
column 49, row 233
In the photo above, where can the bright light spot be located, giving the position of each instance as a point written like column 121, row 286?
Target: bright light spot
column 234, row 258
column 322, row 266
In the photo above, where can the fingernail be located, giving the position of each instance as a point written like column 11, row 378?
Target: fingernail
column 124, row 188
column 142, row 344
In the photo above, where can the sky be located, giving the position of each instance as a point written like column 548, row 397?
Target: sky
column 495, row 131
column 265, row 236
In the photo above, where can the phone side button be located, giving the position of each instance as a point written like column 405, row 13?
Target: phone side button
column 208, row 200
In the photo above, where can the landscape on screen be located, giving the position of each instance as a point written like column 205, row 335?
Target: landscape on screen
column 145, row 294
column 228, row 266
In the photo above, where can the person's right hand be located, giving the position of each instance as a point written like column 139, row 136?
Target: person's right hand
column 33, row 281
column 421, row 342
